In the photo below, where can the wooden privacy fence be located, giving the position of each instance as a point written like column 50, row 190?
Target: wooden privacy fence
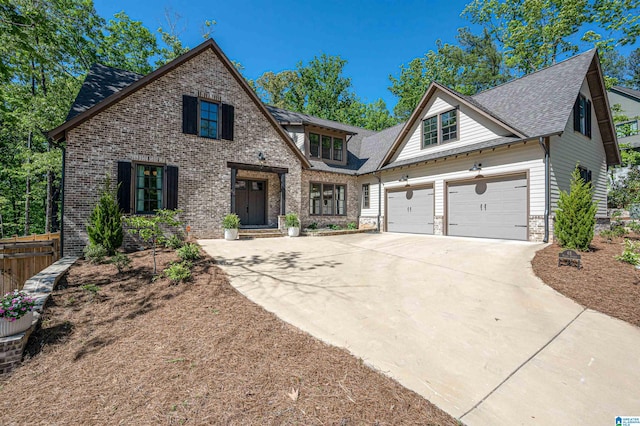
column 23, row 257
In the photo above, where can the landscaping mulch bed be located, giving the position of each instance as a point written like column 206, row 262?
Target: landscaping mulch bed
column 604, row 284
column 143, row 352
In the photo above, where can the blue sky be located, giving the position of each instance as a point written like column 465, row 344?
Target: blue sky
column 375, row 36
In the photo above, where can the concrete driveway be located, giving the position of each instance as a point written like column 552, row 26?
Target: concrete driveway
column 463, row 322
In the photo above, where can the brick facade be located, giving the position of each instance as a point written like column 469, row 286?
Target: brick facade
column 352, row 198
column 146, row 126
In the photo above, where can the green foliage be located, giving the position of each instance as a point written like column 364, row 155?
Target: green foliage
column 334, row 227
column 189, row 251
column 105, row 221
column 174, row 242
column 231, row 221
column 631, row 253
column 352, row 225
column 91, row 288
column 291, row 220
column 178, row 272
column 95, row 253
column 313, row 226
column 607, row 235
column 473, row 65
column 635, row 227
column 576, row 215
column 618, row 229
column 320, row 88
column 151, row 227
column 121, row 261
column 624, row 189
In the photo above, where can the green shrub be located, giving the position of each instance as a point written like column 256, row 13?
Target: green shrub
column 291, row 220
column 178, row 272
column 174, row 242
column 352, row 225
column 334, row 227
column 189, row 251
column 121, row 261
column 105, row 221
column 576, row 215
column 313, row 225
column 231, row 221
column 91, row 288
column 630, row 253
column 95, row 253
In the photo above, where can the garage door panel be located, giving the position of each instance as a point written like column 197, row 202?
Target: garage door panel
column 489, row 208
column 410, row 212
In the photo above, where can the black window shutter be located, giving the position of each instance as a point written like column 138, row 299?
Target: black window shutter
column 588, row 117
column 189, row 115
column 124, row 186
column 227, row 122
column 576, row 115
column 172, row 187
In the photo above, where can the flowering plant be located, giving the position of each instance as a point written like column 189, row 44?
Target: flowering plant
column 15, row 304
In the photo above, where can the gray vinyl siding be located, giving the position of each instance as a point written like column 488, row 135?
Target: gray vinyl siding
column 572, row 148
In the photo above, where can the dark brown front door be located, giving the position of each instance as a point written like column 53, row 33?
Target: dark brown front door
column 251, row 201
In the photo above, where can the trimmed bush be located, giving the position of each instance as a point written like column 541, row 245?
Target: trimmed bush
column 174, row 242
column 352, row 225
column 105, row 222
column 189, row 251
column 576, row 215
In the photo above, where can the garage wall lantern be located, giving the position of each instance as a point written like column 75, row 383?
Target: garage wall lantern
column 405, row 178
column 261, row 157
column 476, row 167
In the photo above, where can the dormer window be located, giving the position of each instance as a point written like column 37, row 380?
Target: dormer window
column 440, row 128
column 327, row 147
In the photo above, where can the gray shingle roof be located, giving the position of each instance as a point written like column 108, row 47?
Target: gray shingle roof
column 373, row 148
column 627, row 91
column 290, row 117
column 101, row 82
column 539, row 103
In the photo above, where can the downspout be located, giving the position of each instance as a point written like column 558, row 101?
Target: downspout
column 379, row 201
column 547, row 192
column 62, row 194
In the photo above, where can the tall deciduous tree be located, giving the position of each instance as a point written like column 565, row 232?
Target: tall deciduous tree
column 473, row 65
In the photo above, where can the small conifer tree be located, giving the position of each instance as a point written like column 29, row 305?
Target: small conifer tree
column 105, row 222
column 576, row 215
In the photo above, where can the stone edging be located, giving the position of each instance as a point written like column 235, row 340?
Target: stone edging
column 327, row 233
column 40, row 287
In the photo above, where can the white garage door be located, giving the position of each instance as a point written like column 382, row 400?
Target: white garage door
column 410, row 210
column 488, row 208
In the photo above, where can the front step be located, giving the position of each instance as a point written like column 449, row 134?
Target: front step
column 250, row 234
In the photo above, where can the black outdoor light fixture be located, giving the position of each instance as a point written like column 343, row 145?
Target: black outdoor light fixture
column 476, row 167
column 261, row 157
column 405, row 178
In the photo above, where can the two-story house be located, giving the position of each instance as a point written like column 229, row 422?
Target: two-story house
column 193, row 135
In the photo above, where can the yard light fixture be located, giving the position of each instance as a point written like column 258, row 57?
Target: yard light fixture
column 261, row 157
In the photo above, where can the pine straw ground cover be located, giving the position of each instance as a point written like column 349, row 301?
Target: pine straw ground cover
column 603, row 284
column 141, row 352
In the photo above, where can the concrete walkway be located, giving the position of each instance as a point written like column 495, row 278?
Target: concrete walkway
column 463, row 322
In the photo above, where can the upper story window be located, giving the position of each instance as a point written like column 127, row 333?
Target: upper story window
column 326, row 147
column 209, row 119
column 582, row 116
column 440, row 128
